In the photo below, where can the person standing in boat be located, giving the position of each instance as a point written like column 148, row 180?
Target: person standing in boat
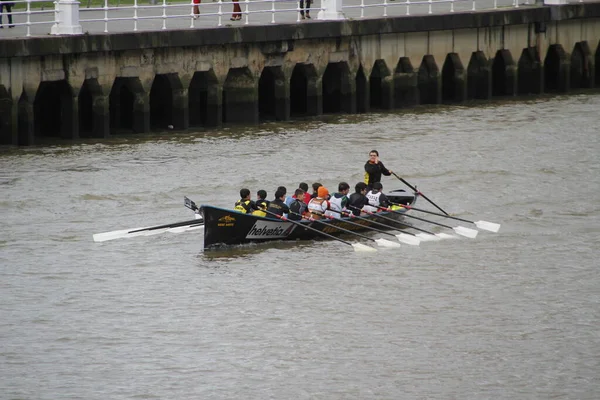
column 358, row 199
column 298, row 206
column 278, row 205
column 339, row 200
column 374, row 168
column 245, row 205
column 319, row 204
column 377, row 198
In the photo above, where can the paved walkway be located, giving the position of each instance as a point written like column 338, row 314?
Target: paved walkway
column 177, row 15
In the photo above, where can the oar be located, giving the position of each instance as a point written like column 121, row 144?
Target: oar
column 151, row 230
column 461, row 230
column 404, row 237
column 380, row 242
column 419, row 193
column 356, row 246
column 485, row 225
column 190, row 204
column 426, row 235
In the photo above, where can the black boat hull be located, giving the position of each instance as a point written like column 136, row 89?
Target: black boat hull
column 223, row 227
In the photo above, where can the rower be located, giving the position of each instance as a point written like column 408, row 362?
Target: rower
column 315, row 188
column 278, row 205
column 304, row 187
column 262, row 201
column 338, row 201
column 358, row 199
column 318, row 205
column 298, row 206
column 376, row 198
column 245, row 205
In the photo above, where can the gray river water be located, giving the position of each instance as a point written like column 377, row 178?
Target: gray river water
column 508, row 315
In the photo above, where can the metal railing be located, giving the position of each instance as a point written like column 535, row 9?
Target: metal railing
column 68, row 18
column 431, row 5
column 29, row 13
column 215, row 11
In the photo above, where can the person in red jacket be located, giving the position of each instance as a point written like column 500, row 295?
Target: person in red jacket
column 304, row 187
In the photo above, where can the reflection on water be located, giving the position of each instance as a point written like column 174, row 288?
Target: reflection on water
column 225, row 253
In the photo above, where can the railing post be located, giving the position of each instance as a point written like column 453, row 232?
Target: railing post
column 68, row 18
column 330, row 10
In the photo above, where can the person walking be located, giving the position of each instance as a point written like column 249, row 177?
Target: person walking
column 374, row 168
column 305, row 12
column 8, row 5
column 196, row 9
column 237, row 11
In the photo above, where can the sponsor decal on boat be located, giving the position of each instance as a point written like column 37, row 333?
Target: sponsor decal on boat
column 227, row 220
column 269, row 229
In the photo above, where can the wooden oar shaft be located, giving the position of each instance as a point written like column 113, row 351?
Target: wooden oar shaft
column 307, row 227
column 415, row 217
column 398, row 222
column 421, row 194
column 342, row 229
column 173, row 225
column 432, row 213
column 350, row 215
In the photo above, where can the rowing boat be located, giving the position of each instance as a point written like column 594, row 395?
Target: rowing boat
column 225, row 227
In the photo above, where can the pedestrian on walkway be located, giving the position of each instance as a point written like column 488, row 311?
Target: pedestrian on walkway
column 9, row 5
column 237, row 11
column 196, row 9
column 305, row 10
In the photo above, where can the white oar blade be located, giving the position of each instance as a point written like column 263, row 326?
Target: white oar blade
column 467, row 232
column 488, row 226
column 426, row 237
column 148, row 232
column 178, row 229
column 363, row 248
column 408, row 239
column 185, row 228
column 386, row 243
column 445, row 236
column 104, row 236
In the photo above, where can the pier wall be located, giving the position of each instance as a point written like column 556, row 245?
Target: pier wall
column 98, row 85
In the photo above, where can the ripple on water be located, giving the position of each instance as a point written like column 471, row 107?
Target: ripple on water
column 506, row 315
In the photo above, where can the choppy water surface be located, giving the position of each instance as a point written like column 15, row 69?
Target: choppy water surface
column 512, row 315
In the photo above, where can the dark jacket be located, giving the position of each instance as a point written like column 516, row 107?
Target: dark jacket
column 278, row 207
column 297, row 208
column 245, row 206
column 262, row 203
column 373, row 173
column 356, row 202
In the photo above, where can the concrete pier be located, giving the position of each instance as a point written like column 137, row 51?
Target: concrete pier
column 96, row 85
